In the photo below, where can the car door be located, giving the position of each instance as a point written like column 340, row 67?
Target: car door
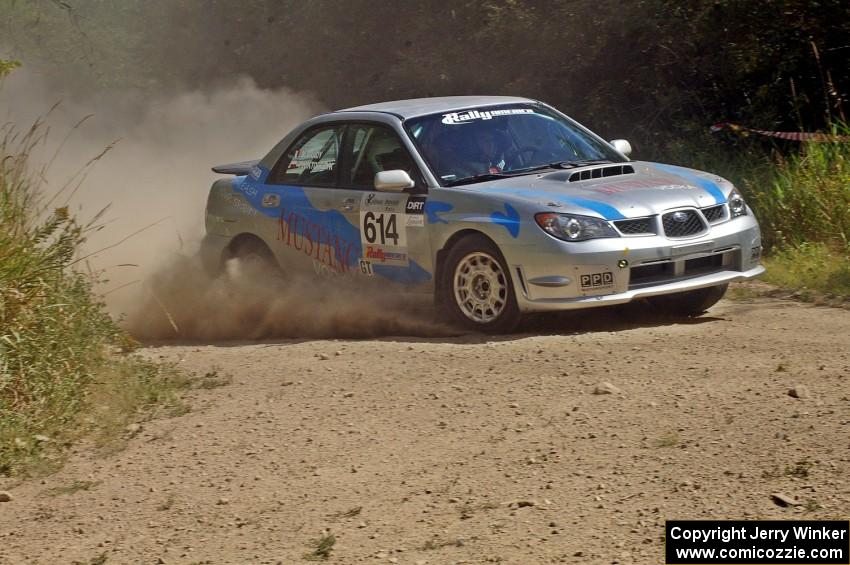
column 391, row 225
column 316, row 229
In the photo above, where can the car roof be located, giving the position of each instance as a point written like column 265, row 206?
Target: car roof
column 422, row 106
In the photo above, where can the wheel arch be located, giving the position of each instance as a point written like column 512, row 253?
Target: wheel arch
column 443, row 253
column 247, row 241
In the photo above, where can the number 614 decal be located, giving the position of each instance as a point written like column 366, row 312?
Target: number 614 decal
column 382, row 229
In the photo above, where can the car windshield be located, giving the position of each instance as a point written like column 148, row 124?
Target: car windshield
column 500, row 141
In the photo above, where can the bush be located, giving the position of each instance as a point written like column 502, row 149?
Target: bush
column 57, row 344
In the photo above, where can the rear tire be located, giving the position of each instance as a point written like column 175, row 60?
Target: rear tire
column 689, row 303
column 250, row 258
column 476, row 290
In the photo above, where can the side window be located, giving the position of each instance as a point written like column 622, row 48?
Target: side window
column 373, row 149
column 312, row 159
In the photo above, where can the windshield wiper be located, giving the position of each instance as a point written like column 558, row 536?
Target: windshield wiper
column 517, row 172
column 562, row 165
column 477, row 178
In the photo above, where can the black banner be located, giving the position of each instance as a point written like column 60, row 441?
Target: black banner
column 757, row 542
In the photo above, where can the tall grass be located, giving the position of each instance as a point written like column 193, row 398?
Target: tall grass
column 58, row 347
column 806, row 199
column 801, row 197
column 803, row 204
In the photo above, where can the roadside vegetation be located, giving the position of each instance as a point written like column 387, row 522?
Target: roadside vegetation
column 807, row 197
column 806, row 210
column 812, row 269
column 801, row 197
column 66, row 368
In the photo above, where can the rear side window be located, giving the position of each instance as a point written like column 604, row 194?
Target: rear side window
column 312, row 159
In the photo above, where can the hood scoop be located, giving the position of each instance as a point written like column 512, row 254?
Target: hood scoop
column 601, row 172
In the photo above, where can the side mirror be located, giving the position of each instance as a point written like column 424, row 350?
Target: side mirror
column 622, row 146
column 395, row 180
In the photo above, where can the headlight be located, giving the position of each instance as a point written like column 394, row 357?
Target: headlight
column 737, row 206
column 571, row 227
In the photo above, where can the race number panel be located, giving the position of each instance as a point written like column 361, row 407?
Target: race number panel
column 383, row 228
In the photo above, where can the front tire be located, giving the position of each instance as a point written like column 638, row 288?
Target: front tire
column 689, row 303
column 476, row 290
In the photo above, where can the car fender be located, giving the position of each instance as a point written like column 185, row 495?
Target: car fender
column 507, row 222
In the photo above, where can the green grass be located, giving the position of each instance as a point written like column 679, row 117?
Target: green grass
column 810, row 266
column 66, row 368
column 812, row 505
column 99, row 559
column 322, row 548
column 7, row 67
column 800, row 469
column 350, row 513
column 433, row 544
column 670, row 439
column 213, row 379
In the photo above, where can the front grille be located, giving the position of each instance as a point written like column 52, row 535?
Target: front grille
column 639, row 226
column 714, row 213
column 663, row 272
column 704, row 265
column 682, row 223
column 601, row 172
column 648, row 275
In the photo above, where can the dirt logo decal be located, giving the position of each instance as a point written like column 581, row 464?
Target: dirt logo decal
column 415, row 212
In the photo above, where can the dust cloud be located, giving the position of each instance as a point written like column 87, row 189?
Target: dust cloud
column 154, row 180
column 247, row 303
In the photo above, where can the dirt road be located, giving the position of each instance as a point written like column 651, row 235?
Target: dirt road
column 468, row 449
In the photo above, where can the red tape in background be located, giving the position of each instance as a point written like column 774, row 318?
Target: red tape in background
column 790, row 135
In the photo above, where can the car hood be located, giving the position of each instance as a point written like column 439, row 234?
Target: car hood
column 651, row 189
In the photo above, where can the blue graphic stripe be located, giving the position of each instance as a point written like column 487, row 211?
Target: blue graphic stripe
column 605, row 210
column 433, row 209
column 307, row 227
column 510, row 219
column 412, row 274
column 710, row 187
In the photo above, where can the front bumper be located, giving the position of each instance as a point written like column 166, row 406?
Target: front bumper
column 714, row 279
column 557, row 275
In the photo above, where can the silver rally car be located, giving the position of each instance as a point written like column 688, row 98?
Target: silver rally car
column 496, row 205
